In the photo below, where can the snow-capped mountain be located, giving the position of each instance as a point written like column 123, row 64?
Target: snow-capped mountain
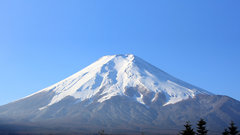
column 114, row 75
column 120, row 93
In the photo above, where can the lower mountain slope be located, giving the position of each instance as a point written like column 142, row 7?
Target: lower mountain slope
column 121, row 114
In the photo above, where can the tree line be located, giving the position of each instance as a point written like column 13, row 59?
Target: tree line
column 201, row 129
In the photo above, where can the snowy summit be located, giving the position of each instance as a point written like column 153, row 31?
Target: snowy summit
column 125, row 75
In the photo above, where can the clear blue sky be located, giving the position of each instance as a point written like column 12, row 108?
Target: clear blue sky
column 43, row 42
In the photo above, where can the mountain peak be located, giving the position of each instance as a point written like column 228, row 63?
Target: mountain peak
column 120, row 55
column 123, row 57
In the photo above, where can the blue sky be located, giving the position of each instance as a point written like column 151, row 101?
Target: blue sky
column 43, row 42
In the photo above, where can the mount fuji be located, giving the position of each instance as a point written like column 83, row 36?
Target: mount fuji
column 120, row 94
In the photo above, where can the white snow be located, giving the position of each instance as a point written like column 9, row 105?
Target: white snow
column 110, row 75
